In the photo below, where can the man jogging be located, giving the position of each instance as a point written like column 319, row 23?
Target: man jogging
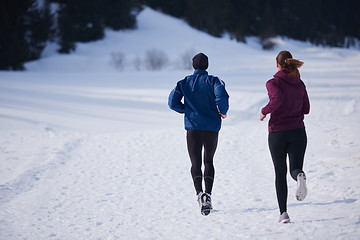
column 206, row 103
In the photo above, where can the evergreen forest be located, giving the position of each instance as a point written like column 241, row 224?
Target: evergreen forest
column 27, row 25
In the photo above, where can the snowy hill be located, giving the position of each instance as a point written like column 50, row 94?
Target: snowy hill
column 91, row 151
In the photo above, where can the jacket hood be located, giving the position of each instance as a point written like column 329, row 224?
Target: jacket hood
column 284, row 75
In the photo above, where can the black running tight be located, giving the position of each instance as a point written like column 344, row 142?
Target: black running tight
column 197, row 140
column 282, row 144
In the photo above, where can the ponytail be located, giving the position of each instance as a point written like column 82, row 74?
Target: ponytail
column 285, row 60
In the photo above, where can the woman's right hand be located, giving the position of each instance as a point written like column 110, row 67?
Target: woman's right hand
column 262, row 116
column 223, row 116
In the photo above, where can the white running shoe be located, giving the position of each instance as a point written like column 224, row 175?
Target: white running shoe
column 301, row 190
column 284, row 218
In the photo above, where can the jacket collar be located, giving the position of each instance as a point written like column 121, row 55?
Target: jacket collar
column 200, row 71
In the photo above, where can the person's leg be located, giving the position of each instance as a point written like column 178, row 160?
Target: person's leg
column 277, row 146
column 194, row 144
column 210, row 140
column 296, row 150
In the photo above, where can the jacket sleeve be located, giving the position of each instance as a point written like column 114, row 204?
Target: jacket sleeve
column 275, row 97
column 306, row 104
column 174, row 100
column 221, row 96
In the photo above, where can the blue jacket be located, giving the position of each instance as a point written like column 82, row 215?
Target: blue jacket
column 205, row 98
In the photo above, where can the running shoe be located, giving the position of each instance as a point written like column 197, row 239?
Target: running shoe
column 284, row 218
column 301, row 190
column 204, row 200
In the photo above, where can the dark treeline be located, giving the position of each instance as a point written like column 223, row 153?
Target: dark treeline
column 85, row 20
column 26, row 27
column 24, row 30
column 322, row 22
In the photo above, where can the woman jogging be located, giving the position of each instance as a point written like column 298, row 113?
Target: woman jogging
column 205, row 104
column 287, row 137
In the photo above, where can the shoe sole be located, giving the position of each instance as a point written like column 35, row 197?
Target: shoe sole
column 301, row 190
column 205, row 206
column 205, row 210
column 285, row 221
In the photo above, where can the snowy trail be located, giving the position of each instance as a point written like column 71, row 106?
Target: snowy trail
column 58, row 183
column 117, row 186
column 90, row 153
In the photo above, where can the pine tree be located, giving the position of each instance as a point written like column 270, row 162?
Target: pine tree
column 120, row 14
column 79, row 20
column 24, row 30
column 38, row 22
column 12, row 32
column 85, row 20
column 206, row 15
column 66, row 30
column 267, row 26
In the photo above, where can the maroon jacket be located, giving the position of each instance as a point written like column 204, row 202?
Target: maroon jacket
column 288, row 102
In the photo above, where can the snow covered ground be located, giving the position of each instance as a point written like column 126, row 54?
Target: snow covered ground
column 91, row 152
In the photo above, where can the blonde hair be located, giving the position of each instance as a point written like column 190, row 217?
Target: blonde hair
column 285, row 60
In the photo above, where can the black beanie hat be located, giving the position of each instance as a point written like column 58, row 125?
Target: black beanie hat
column 200, row 61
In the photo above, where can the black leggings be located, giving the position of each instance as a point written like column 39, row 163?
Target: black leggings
column 196, row 141
column 291, row 143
